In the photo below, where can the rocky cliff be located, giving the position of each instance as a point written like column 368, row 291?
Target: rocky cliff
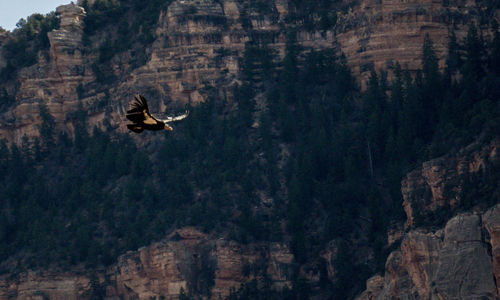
column 377, row 34
column 457, row 261
column 187, row 260
column 439, row 183
column 52, row 81
column 199, row 46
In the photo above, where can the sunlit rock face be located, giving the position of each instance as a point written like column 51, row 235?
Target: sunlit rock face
column 379, row 34
column 198, row 50
column 52, row 81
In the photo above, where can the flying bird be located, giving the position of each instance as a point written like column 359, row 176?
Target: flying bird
column 143, row 120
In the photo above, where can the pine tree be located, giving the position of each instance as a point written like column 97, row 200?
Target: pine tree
column 474, row 54
column 47, row 128
column 289, row 76
column 431, row 95
column 495, row 51
column 454, row 60
column 183, row 295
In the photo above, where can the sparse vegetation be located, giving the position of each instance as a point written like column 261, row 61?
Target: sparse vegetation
column 27, row 40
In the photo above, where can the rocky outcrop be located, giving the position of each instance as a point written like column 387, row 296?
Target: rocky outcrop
column 190, row 53
column 438, row 183
column 452, row 263
column 187, row 259
column 491, row 221
column 460, row 260
column 52, row 81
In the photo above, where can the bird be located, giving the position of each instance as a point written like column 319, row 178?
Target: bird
column 143, row 120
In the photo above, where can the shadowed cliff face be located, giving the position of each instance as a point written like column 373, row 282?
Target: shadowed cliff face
column 198, row 50
column 439, row 183
column 187, row 259
column 459, row 260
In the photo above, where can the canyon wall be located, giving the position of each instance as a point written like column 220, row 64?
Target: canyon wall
column 52, row 81
column 457, row 260
column 460, row 260
column 186, row 260
column 377, row 34
column 439, row 183
column 199, row 47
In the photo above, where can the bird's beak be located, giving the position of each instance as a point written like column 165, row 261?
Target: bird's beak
column 168, row 128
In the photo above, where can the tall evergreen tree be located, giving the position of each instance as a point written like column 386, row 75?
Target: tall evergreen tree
column 495, row 51
column 453, row 60
column 474, row 54
column 289, row 76
column 431, row 95
column 47, row 127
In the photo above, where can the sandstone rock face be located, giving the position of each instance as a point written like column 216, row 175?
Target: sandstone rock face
column 52, row 81
column 460, row 260
column 377, row 34
column 45, row 285
column 199, row 46
column 187, row 259
column 186, row 57
column 438, row 182
column 491, row 221
column 452, row 263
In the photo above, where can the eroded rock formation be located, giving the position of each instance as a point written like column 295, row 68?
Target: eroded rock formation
column 458, row 261
column 452, row 263
column 52, row 81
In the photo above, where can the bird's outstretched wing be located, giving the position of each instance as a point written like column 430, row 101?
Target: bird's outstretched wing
column 176, row 118
column 139, row 111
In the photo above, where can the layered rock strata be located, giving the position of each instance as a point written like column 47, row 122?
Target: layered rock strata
column 377, row 34
column 187, row 260
column 52, row 81
column 199, row 46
